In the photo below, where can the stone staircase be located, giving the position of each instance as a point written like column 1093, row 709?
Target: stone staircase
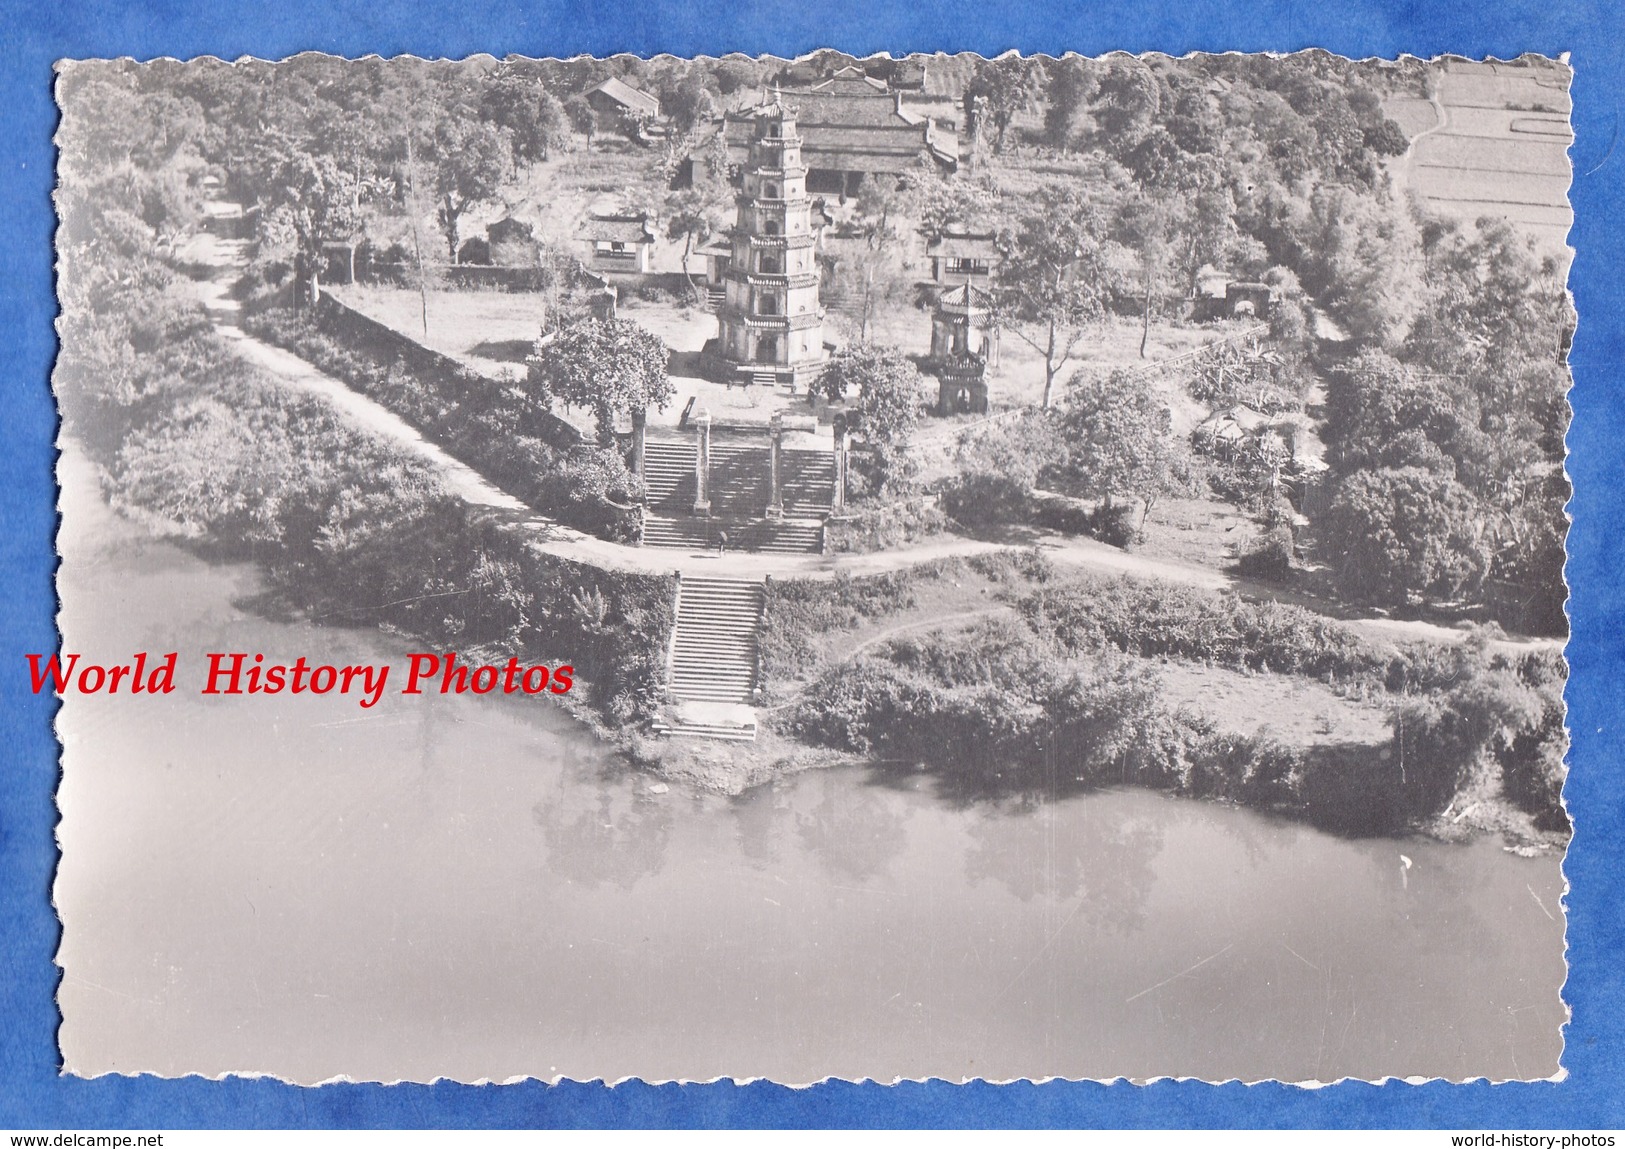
column 806, row 483
column 740, row 489
column 713, row 647
column 696, row 533
column 668, row 477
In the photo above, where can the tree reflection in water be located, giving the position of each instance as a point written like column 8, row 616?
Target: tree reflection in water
column 1102, row 862
column 758, row 816
column 854, row 831
column 603, row 833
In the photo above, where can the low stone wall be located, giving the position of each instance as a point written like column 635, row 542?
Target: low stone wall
column 518, row 280
column 367, row 334
column 457, row 276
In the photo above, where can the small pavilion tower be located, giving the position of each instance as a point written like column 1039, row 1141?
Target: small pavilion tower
column 772, row 327
column 964, row 344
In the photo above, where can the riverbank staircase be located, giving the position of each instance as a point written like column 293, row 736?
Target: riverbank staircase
column 712, row 666
column 740, row 492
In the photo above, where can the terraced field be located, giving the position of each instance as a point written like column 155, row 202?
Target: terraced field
column 1493, row 140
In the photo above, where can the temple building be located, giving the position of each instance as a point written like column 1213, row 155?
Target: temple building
column 853, row 127
column 959, row 254
column 617, row 97
column 772, row 327
column 619, row 243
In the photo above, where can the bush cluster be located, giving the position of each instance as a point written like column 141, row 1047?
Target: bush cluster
column 993, row 712
column 795, row 612
column 350, row 529
column 1156, row 619
column 1270, row 557
column 999, row 709
column 988, row 500
column 480, row 422
column 879, row 526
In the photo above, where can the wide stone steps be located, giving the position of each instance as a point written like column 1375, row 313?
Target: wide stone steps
column 761, row 536
column 714, row 649
column 681, row 729
column 678, row 534
column 740, row 483
column 740, row 489
column 668, row 476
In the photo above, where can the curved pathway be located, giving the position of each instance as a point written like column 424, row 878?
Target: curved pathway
column 228, row 259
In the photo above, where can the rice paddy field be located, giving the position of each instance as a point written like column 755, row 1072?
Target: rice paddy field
column 1492, row 141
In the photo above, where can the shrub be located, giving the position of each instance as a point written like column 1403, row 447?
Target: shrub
column 355, row 530
column 491, row 428
column 1532, row 769
column 877, row 526
column 1270, row 558
column 1406, row 533
column 796, row 611
column 985, row 499
column 1113, row 524
column 1157, row 619
column 1058, row 513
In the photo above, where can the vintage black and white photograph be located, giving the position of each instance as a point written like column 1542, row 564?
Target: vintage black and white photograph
column 848, row 567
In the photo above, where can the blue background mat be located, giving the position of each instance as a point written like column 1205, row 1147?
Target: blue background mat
column 32, row 1095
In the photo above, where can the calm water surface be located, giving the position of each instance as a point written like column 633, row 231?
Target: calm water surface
column 473, row 888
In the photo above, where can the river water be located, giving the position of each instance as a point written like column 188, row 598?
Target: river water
column 473, row 888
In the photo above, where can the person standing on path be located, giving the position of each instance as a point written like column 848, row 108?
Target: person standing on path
column 722, row 543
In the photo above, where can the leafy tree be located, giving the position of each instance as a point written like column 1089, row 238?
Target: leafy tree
column 532, row 116
column 1493, row 304
column 1072, row 84
column 1126, row 100
column 692, row 212
column 689, row 219
column 1002, row 89
column 1374, row 400
column 872, row 274
column 688, row 104
column 1146, row 225
column 1387, row 138
column 935, row 200
column 734, row 73
column 1396, row 535
column 468, row 159
column 612, row 366
column 1053, row 283
column 1119, row 441
column 582, row 116
column 884, row 390
column 1205, row 234
column 310, row 196
column 1363, row 258
column 108, row 123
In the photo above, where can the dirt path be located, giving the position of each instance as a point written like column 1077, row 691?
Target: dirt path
column 923, row 624
column 1405, row 170
column 227, row 259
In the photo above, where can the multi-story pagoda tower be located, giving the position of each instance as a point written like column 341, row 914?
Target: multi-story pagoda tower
column 772, row 325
